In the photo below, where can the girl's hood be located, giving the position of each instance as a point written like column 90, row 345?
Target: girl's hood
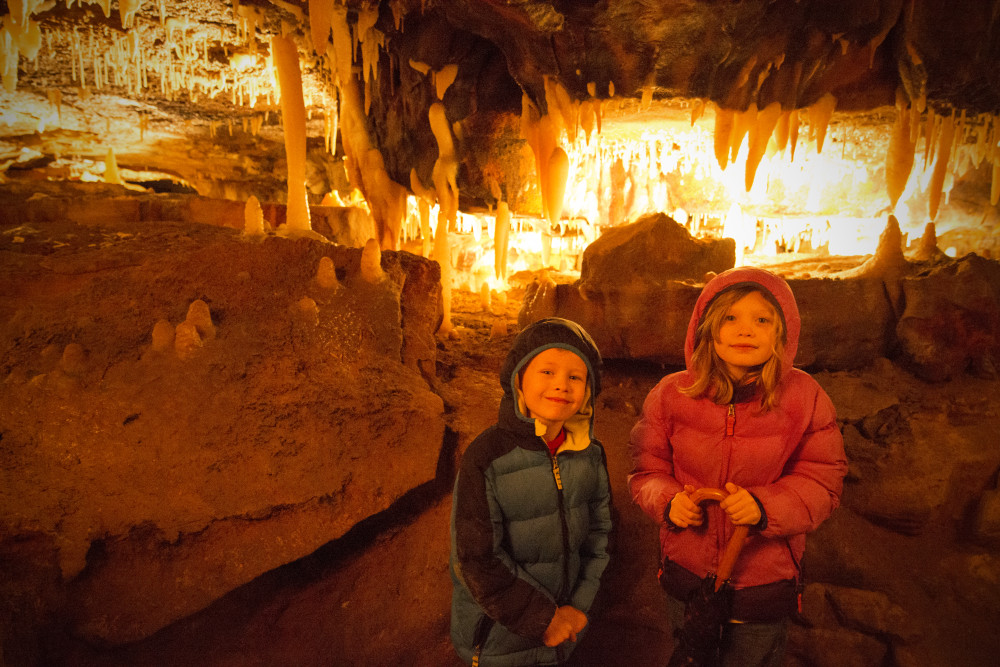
column 774, row 284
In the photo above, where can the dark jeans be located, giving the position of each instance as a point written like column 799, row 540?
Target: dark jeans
column 743, row 644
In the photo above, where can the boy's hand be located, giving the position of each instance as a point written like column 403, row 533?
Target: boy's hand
column 683, row 511
column 740, row 506
column 564, row 625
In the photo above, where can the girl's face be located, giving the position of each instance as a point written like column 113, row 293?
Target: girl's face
column 747, row 335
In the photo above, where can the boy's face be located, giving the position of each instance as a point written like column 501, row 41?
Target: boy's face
column 747, row 335
column 554, row 385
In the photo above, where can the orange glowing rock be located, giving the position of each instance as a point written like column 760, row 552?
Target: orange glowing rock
column 200, row 316
column 820, row 113
column 163, row 336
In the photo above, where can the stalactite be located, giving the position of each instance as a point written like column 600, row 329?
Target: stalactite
column 501, row 240
column 782, row 128
column 742, row 122
column 723, row 132
column 558, row 173
column 900, row 154
column 941, row 165
column 930, row 137
column 760, row 135
column 443, row 79
column 793, row 133
column 319, row 24
column 820, row 113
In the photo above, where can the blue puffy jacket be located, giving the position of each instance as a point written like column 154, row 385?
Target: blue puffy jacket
column 529, row 530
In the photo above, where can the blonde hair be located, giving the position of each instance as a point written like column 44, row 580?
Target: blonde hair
column 712, row 379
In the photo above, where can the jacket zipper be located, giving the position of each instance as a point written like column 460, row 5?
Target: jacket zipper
column 731, row 420
column 562, row 521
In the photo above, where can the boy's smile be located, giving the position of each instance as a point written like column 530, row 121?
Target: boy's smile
column 554, row 385
column 747, row 335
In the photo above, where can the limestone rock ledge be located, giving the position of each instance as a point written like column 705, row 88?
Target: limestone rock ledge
column 140, row 479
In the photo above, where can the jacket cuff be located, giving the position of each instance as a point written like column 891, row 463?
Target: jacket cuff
column 666, row 517
column 762, row 524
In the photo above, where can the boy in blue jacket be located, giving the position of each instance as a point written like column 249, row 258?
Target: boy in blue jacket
column 531, row 512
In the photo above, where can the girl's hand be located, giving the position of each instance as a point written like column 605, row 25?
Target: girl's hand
column 683, row 511
column 566, row 622
column 740, row 506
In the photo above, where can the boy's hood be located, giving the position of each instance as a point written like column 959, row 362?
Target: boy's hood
column 537, row 337
column 774, row 284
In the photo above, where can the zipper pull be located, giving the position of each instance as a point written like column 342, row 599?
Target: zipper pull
column 731, row 420
column 556, row 474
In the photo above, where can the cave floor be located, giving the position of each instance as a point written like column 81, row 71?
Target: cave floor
column 381, row 594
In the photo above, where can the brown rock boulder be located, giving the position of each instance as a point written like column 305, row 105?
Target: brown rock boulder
column 952, row 319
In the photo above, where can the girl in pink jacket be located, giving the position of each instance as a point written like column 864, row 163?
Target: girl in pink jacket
column 739, row 418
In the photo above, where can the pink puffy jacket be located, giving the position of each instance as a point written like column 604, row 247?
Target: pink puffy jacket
column 791, row 458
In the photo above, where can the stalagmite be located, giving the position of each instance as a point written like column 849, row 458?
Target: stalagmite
column 943, row 152
column 425, row 198
column 163, row 336
column 899, row 157
column 306, row 311
column 723, row 132
column 501, row 239
column 498, row 329
column 760, row 134
column 253, row 217
column 326, row 274
column 928, row 250
column 111, row 173
column 445, row 171
column 442, row 254
column 74, row 359
column 995, row 188
column 484, row 296
column 200, row 317
column 820, row 113
column 186, row 340
column 371, row 262
column 286, row 61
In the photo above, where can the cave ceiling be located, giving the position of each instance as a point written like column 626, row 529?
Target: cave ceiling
column 184, row 91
